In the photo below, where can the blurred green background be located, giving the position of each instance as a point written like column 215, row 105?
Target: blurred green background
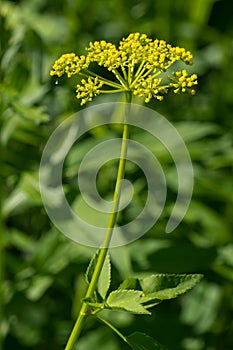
column 41, row 272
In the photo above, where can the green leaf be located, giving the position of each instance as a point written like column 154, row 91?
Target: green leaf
column 142, row 341
column 200, row 308
column 89, row 214
column 97, row 339
column 170, row 258
column 91, row 266
column 39, row 286
column 26, row 194
column 104, row 278
column 134, row 283
column 37, row 114
column 121, row 259
column 105, row 275
column 165, row 286
column 128, row 300
column 160, row 287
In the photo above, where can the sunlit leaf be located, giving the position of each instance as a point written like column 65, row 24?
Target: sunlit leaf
column 128, row 300
column 162, row 286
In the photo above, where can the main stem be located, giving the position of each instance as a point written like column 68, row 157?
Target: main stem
column 108, row 235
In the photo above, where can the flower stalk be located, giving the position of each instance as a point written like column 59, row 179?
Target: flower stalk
column 111, row 224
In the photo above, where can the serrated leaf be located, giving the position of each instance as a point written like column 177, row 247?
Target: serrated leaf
column 91, row 266
column 142, row 341
column 128, row 300
column 105, row 278
column 105, row 275
column 164, row 286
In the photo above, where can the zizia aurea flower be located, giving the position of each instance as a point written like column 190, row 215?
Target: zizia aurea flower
column 138, row 65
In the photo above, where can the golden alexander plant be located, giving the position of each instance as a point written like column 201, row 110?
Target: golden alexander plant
column 143, row 67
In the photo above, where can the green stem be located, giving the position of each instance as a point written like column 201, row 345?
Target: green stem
column 120, row 78
column 141, row 75
column 130, row 72
column 124, row 72
column 112, row 327
column 106, row 81
column 111, row 91
column 139, row 68
column 105, row 245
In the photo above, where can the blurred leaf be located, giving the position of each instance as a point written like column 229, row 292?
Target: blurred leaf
column 225, row 255
column 25, row 195
column 150, row 246
column 98, row 339
column 89, row 214
column 192, row 130
column 142, row 341
column 200, row 12
column 38, row 287
column 200, row 306
column 215, row 228
column 20, row 240
column 121, row 259
column 224, row 262
column 46, row 249
column 51, row 29
column 36, row 114
column 171, row 259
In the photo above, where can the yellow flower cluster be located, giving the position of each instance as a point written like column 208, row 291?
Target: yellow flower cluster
column 182, row 82
column 133, row 49
column 105, row 54
column 90, row 87
column 136, row 65
column 149, row 87
column 69, row 64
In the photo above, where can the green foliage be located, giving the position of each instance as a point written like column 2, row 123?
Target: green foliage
column 41, row 272
column 105, row 275
column 141, row 341
column 136, row 295
column 128, row 300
